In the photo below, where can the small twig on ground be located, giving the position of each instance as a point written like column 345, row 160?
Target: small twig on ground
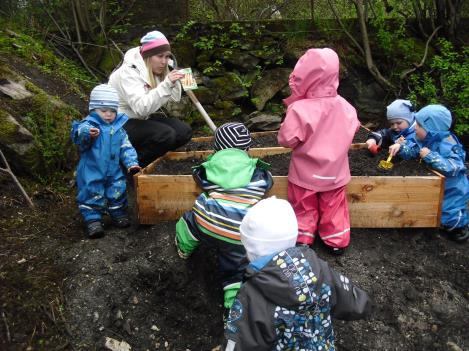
column 8, row 170
column 7, row 329
column 61, row 347
column 32, row 336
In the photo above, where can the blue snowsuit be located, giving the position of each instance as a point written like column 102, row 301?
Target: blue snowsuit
column 101, row 181
column 447, row 157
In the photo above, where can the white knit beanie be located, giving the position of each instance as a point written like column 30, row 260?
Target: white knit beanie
column 270, row 226
column 104, row 96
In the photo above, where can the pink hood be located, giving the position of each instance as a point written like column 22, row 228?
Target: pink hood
column 319, row 125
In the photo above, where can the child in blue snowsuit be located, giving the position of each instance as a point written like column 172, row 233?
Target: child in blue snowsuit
column 401, row 117
column 104, row 147
column 232, row 182
column 289, row 295
column 442, row 151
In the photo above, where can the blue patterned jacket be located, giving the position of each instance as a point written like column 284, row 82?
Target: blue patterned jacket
column 287, row 301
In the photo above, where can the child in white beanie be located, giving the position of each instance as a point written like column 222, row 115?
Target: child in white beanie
column 289, row 295
column 103, row 146
column 401, row 118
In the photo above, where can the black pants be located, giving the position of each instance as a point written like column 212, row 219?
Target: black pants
column 155, row 136
column 232, row 261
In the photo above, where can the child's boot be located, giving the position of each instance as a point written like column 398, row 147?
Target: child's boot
column 121, row 221
column 338, row 251
column 459, row 235
column 181, row 253
column 94, row 229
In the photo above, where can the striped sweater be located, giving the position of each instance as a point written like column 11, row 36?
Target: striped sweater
column 220, row 209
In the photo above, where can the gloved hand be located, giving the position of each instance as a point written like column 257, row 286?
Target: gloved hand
column 374, row 149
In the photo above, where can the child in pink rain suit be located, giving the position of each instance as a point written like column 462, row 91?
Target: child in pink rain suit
column 319, row 127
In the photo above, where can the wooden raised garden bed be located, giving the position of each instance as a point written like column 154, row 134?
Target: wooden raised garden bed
column 381, row 201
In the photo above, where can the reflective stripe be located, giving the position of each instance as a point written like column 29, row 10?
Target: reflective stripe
column 230, row 346
column 321, row 177
column 306, row 234
column 336, row 234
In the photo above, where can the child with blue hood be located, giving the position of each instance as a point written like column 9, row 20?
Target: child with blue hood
column 104, row 148
column 442, row 151
column 401, row 117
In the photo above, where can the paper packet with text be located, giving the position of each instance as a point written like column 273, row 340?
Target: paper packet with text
column 188, row 81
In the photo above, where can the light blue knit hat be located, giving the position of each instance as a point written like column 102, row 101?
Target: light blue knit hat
column 434, row 118
column 104, row 96
column 401, row 109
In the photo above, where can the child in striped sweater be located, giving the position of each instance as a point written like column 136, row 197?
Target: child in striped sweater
column 232, row 182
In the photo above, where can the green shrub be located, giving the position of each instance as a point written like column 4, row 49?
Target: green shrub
column 446, row 81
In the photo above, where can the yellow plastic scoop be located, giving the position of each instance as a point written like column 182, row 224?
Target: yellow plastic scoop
column 386, row 164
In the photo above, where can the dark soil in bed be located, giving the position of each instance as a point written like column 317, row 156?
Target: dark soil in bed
column 361, row 163
column 266, row 140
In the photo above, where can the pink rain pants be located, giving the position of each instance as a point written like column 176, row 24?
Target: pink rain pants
column 321, row 213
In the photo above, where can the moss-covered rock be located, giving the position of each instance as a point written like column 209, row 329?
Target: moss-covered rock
column 229, row 86
column 206, row 95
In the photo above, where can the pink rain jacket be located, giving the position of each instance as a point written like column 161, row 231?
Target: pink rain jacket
column 319, row 125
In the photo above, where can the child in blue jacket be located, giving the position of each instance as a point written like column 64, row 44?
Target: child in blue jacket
column 232, row 182
column 442, row 151
column 401, row 118
column 289, row 295
column 104, row 147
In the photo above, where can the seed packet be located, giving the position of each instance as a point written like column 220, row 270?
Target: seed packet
column 188, row 82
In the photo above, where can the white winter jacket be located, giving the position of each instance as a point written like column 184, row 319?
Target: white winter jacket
column 131, row 81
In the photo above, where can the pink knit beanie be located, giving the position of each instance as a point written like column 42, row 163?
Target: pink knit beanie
column 153, row 43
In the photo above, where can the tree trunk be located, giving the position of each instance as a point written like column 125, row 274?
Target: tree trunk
column 360, row 8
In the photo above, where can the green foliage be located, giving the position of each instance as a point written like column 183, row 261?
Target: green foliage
column 446, row 82
column 391, row 36
column 49, row 122
column 227, row 38
column 213, row 68
column 42, row 57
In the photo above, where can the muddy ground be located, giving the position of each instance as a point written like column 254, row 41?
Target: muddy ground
column 60, row 291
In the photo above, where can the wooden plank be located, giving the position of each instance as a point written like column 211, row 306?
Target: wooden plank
column 394, row 202
column 374, row 202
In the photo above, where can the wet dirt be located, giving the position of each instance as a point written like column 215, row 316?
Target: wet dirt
column 268, row 139
column 62, row 291
column 361, row 163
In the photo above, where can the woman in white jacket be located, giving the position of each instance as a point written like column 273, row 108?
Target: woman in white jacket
column 145, row 83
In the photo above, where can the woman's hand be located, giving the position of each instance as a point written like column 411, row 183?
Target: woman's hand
column 424, row 152
column 94, row 133
column 174, row 75
column 394, row 149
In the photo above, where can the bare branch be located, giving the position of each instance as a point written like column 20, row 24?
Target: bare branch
column 408, row 71
column 351, row 37
column 8, row 170
column 359, row 6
